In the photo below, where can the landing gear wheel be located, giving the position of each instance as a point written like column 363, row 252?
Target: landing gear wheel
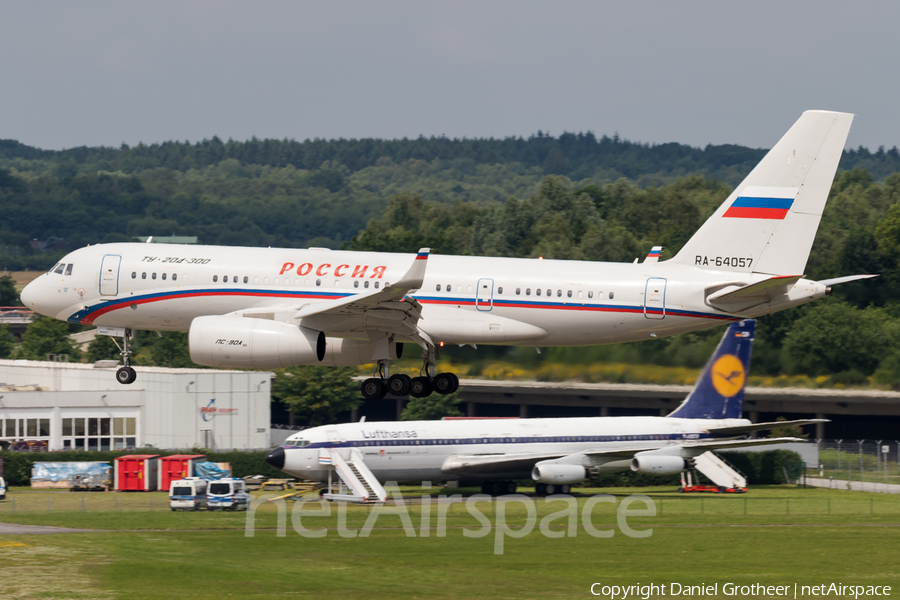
column 455, row 382
column 495, row 488
column 540, row 489
column 443, row 383
column 550, row 489
column 373, row 389
column 125, row 375
column 420, row 387
column 509, row 487
column 565, row 488
column 399, row 385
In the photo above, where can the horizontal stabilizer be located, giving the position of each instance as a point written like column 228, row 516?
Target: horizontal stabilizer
column 847, row 279
column 742, row 429
column 733, row 297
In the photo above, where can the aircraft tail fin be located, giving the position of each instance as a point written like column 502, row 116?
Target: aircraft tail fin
column 719, row 392
column 769, row 222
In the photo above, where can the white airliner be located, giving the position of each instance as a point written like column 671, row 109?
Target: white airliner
column 278, row 307
column 553, row 452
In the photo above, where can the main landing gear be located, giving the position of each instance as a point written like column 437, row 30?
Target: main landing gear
column 126, row 375
column 375, row 388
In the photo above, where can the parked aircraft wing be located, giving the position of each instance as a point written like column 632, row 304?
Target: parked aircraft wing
column 486, row 464
column 743, row 429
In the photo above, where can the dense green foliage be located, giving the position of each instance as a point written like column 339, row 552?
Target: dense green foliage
column 316, row 192
column 316, row 394
column 432, row 408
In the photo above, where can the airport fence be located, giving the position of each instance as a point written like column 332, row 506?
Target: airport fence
column 873, row 461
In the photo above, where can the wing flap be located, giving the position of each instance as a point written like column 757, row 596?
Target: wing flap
column 744, row 429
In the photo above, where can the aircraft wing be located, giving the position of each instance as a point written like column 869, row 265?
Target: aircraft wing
column 744, row 429
column 388, row 310
column 687, row 449
column 487, row 464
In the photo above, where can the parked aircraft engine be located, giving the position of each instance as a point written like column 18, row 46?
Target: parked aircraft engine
column 658, row 465
column 234, row 341
column 558, row 473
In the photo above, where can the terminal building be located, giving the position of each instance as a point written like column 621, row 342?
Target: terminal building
column 82, row 407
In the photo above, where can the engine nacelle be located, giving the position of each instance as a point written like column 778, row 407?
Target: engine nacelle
column 241, row 342
column 558, row 473
column 658, row 465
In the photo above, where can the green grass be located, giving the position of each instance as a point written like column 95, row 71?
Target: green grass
column 786, row 536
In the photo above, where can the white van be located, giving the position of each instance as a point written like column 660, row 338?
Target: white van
column 2, row 489
column 187, row 494
column 228, row 494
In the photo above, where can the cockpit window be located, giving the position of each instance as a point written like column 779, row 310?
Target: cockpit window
column 69, row 269
column 301, row 442
column 59, row 268
column 53, row 268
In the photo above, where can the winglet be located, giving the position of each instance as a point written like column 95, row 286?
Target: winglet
column 413, row 278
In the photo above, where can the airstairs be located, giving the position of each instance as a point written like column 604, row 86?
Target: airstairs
column 718, row 471
column 356, row 483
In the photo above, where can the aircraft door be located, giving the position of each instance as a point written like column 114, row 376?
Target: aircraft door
column 484, row 295
column 109, row 274
column 655, row 298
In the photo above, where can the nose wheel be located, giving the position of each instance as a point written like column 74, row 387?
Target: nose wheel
column 126, row 375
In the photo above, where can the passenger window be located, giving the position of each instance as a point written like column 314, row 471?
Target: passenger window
column 164, row 276
column 469, row 289
column 611, row 295
column 225, row 279
column 377, row 283
column 365, row 284
column 318, row 282
column 569, row 293
column 538, row 292
column 337, row 283
column 174, row 276
column 69, row 269
column 437, row 287
column 527, row 291
column 559, row 293
column 144, row 275
column 215, row 278
column 580, row 294
column 356, row 284
column 499, row 290
column 246, row 279
column 518, row 291
column 153, row 276
column 590, row 294
column 235, row 279
column 448, row 287
column 59, row 269
column 134, row 274
column 549, row 293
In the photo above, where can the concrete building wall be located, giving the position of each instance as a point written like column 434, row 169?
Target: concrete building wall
column 170, row 408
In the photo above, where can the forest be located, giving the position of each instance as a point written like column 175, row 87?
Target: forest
column 575, row 196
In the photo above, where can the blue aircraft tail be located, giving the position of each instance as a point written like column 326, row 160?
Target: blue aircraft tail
column 719, row 392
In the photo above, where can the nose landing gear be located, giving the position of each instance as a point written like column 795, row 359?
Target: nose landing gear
column 126, row 375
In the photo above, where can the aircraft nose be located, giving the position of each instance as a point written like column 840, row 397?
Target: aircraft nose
column 28, row 295
column 276, row 458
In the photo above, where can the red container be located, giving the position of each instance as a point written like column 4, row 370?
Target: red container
column 137, row 472
column 177, row 466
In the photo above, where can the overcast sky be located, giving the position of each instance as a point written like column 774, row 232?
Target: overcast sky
column 104, row 73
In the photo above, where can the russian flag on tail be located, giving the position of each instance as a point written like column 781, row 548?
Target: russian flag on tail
column 751, row 207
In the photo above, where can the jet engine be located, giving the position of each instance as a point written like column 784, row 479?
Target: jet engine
column 659, row 465
column 558, row 473
column 233, row 341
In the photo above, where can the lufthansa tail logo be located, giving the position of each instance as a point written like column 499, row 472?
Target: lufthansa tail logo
column 728, row 375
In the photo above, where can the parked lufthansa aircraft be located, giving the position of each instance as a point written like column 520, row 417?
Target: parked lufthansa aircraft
column 277, row 307
column 553, row 452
